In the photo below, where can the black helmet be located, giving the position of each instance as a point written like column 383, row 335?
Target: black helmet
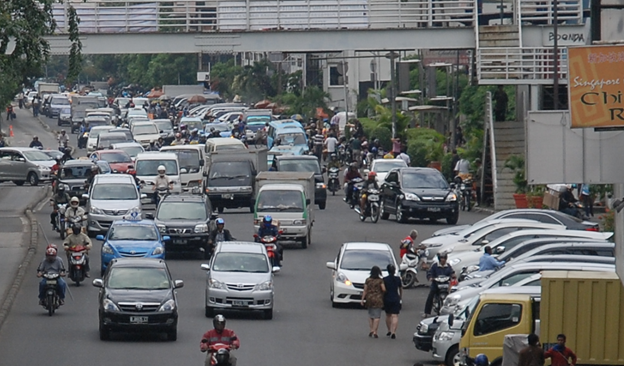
column 60, row 188
column 219, row 322
column 76, row 229
column 222, row 356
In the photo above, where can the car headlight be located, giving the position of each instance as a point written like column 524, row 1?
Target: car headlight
column 158, row 250
column 212, row 283
column 43, row 167
column 194, row 183
column 452, row 300
column 411, row 197
column 107, row 249
column 341, row 277
column 473, row 268
column 423, row 329
column 320, row 185
column 109, row 305
column 168, row 305
column 451, row 197
column 435, row 245
column 454, row 261
column 162, row 228
column 95, row 210
column 299, row 222
column 201, row 228
column 446, row 336
column 136, row 209
column 268, row 285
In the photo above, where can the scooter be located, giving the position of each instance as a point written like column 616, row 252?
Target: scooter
column 444, row 285
column 51, row 301
column 77, row 263
column 60, row 219
column 356, row 186
column 465, row 189
column 219, row 353
column 372, row 206
column 408, row 276
column 270, row 243
column 333, row 180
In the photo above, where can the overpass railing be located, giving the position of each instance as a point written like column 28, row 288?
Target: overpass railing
column 533, row 65
column 148, row 16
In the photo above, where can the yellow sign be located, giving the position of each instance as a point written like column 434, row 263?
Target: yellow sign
column 596, row 86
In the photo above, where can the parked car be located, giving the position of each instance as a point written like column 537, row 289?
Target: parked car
column 418, row 193
column 23, row 164
column 239, row 277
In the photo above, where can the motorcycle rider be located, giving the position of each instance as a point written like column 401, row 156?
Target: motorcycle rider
column 567, row 201
column 442, row 268
column 221, row 234
column 52, row 264
column 194, row 136
column 268, row 229
column 61, row 197
column 75, row 212
column 407, row 244
column 35, row 143
column 178, row 139
column 487, row 262
column 63, row 139
column 333, row 161
column 162, row 180
column 77, row 237
column 351, row 173
column 220, row 334
column 370, row 182
column 152, row 146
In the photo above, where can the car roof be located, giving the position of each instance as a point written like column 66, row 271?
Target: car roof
column 240, row 247
column 143, row 222
column 127, row 144
column 138, row 262
column 529, row 290
column 366, row 246
column 18, row 148
column 417, row 170
column 77, row 162
column 102, row 128
column 183, row 147
column 568, row 258
column 143, row 123
column 562, row 233
column 184, row 198
column 297, row 157
column 114, row 178
column 155, row 155
column 226, row 141
column 110, row 151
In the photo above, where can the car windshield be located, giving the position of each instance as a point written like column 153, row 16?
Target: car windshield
column 163, row 125
column 98, row 123
column 36, row 156
column 255, row 126
column 133, row 151
column 94, row 133
column 240, row 262
column 189, row 159
column 133, row 232
column 292, row 138
column 303, row 165
column 230, row 147
column 229, row 169
column 75, row 172
column 114, row 192
column 289, row 201
column 193, row 124
column 108, row 140
column 221, row 127
column 264, row 119
column 104, row 167
column 138, row 278
column 116, row 157
column 364, row 260
column 195, row 211
column 149, row 168
column 424, row 180
column 384, row 166
column 59, row 101
column 145, row 130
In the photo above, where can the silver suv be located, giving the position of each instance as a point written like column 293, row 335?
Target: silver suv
column 110, row 198
column 239, row 277
column 23, row 164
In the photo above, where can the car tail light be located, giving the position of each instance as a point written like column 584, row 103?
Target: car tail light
column 593, row 228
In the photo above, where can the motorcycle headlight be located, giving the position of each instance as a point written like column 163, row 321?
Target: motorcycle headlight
column 201, row 228
column 109, row 305
column 169, row 305
column 95, row 211
column 162, row 228
column 320, row 185
column 454, row 261
column 451, row 197
column 212, row 283
column 158, row 250
column 452, row 300
column 411, row 197
column 423, row 329
column 107, row 249
column 446, row 336
column 268, row 285
column 341, row 277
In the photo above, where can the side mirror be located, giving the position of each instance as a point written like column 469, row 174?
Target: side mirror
column 98, row 283
column 143, row 195
column 450, row 320
column 183, row 171
column 205, row 174
column 178, row 284
column 85, row 196
column 149, row 216
column 205, row 267
column 484, row 242
column 202, row 162
column 452, row 185
column 100, row 237
column 276, row 269
column 214, row 216
column 331, row 265
column 323, row 170
column 166, row 238
column 307, row 202
column 500, row 250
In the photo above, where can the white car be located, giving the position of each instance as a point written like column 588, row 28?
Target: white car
column 130, row 148
column 477, row 236
column 94, row 133
column 352, row 267
column 145, row 132
column 383, row 166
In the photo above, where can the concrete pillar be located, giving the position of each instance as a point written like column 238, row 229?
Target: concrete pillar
column 535, row 98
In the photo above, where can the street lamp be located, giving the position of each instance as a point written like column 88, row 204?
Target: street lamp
column 392, row 97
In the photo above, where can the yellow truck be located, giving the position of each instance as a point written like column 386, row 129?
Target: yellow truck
column 588, row 307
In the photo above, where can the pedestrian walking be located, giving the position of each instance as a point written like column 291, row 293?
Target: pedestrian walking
column 396, row 147
column 20, row 100
column 392, row 300
column 36, row 103
column 318, row 144
column 559, row 354
column 533, row 354
column 372, row 298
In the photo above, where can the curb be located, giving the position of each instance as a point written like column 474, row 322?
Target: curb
column 7, row 303
column 484, row 210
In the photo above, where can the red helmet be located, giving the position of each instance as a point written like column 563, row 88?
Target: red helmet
column 53, row 246
column 50, row 252
column 372, row 175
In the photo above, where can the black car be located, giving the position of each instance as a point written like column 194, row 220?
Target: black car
column 305, row 163
column 418, row 193
column 138, row 295
column 73, row 174
column 230, row 182
column 187, row 220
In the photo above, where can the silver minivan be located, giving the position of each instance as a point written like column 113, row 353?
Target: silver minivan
column 23, row 164
column 239, row 277
column 110, row 198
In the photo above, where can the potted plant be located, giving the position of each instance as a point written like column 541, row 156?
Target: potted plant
column 516, row 164
column 535, row 197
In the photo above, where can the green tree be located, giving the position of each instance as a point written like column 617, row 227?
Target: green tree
column 75, row 52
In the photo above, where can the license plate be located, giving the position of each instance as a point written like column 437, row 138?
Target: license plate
column 434, row 209
column 239, row 303
column 179, row 241
column 227, row 196
column 138, row 319
column 443, row 287
column 51, row 282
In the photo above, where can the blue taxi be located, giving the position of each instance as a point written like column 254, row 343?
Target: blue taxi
column 132, row 238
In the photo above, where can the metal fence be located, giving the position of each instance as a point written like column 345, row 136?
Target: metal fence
column 542, row 12
column 534, row 65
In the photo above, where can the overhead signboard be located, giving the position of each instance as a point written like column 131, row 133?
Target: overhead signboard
column 596, row 86
column 453, row 57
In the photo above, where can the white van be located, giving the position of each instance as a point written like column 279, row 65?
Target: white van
column 146, row 166
column 223, row 143
column 191, row 158
column 94, row 133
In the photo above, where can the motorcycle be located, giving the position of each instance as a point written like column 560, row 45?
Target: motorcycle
column 408, row 276
column 51, row 301
column 465, row 189
column 70, row 222
column 77, row 263
column 333, row 180
column 214, row 349
column 444, row 285
column 372, row 206
column 60, row 219
column 270, row 243
column 355, row 185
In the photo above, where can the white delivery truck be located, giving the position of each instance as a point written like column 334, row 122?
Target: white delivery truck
column 288, row 197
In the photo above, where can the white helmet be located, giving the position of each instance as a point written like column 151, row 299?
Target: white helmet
column 161, row 168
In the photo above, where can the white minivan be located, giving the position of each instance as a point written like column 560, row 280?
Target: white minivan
column 191, row 158
column 146, row 166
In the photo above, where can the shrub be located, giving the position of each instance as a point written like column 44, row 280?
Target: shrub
column 384, row 134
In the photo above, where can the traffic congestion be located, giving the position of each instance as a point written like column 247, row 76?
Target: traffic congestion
column 248, row 236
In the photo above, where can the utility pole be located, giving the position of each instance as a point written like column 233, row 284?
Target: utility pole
column 392, row 97
column 555, row 55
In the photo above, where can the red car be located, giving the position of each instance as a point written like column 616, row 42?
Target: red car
column 118, row 160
